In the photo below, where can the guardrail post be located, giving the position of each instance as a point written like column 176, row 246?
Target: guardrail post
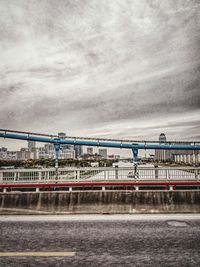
column 106, row 174
column 47, row 175
column 166, row 174
column 15, row 177
column 77, row 174
column 196, row 174
column 40, row 176
column 116, row 172
column 156, row 171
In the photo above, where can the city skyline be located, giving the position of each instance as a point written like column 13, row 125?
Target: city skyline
column 121, row 69
column 36, row 150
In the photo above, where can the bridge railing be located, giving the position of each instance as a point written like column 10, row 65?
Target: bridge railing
column 99, row 174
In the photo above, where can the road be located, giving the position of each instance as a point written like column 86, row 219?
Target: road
column 100, row 240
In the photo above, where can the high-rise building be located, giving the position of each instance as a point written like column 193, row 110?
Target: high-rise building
column 103, row 152
column 185, row 156
column 163, row 154
column 78, row 151
column 31, row 146
column 49, row 148
column 162, row 138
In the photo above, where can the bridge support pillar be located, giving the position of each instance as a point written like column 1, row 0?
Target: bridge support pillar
column 171, row 188
column 70, row 189
column 37, row 189
column 135, row 159
column 4, row 190
column 103, row 188
column 137, row 188
column 56, row 150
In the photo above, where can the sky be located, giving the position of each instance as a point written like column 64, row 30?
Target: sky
column 109, row 68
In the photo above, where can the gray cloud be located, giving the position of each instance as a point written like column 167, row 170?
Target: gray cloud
column 107, row 68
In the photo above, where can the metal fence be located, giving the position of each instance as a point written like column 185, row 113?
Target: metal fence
column 99, row 174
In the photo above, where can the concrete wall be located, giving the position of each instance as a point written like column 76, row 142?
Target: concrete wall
column 100, row 202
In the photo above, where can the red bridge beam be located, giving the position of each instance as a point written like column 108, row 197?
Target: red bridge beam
column 90, row 184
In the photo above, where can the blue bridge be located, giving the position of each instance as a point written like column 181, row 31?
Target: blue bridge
column 99, row 177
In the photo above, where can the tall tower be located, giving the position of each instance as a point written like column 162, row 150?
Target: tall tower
column 162, row 154
column 162, row 138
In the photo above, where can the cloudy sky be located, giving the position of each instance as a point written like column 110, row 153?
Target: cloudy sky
column 109, row 68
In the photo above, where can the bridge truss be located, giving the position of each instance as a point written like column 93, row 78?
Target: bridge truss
column 134, row 145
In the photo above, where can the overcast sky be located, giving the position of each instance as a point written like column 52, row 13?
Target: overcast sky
column 109, row 68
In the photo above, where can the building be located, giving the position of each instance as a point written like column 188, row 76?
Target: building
column 78, row 151
column 66, row 151
column 42, row 153
column 3, row 153
column 90, row 151
column 179, row 156
column 11, row 155
column 113, row 156
column 23, row 154
column 163, row 154
column 66, row 154
column 49, row 150
column 192, row 158
column 162, row 138
column 31, row 146
column 62, row 135
column 33, row 150
column 3, row 149
column 103, row 152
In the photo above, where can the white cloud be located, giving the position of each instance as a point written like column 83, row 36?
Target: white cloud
column 107, row 68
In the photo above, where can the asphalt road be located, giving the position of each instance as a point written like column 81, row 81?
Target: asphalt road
column 121, row 240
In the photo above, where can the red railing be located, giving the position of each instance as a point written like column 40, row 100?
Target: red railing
column 96, row 184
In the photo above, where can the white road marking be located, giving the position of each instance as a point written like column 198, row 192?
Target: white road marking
column 38, row 254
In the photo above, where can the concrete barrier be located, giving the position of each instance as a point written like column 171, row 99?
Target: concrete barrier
column 99, row 202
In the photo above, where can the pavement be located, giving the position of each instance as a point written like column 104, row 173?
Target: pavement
column 100, row 240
